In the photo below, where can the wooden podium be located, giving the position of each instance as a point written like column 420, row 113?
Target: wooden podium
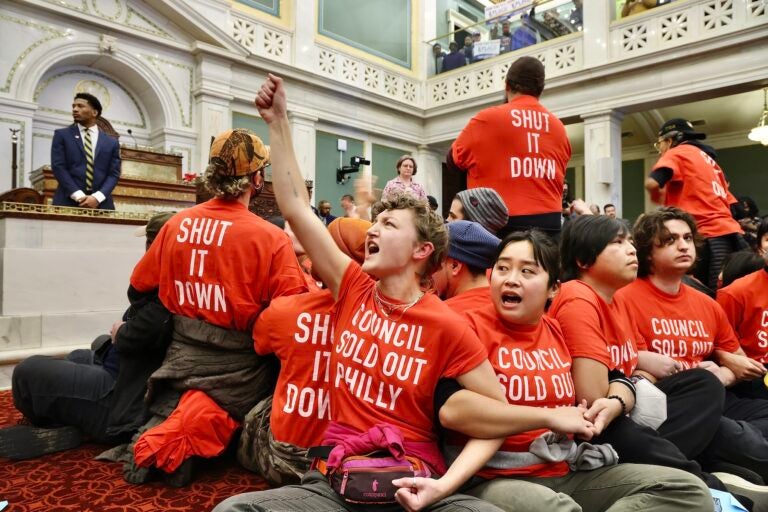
column 148, row 181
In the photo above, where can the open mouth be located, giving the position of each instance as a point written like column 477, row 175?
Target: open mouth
column 372, row 248
column 510, row 298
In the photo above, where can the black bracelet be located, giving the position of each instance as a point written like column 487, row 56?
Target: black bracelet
column 621, row 401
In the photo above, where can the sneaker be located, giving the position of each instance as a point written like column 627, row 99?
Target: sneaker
column 23, row 442
column 738, row 486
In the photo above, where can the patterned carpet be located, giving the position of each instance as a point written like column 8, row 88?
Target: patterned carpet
column 73, row 481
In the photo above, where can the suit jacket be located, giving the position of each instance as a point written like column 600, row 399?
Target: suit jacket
column 68, row 164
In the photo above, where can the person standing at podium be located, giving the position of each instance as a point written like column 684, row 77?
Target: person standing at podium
column 85, row 160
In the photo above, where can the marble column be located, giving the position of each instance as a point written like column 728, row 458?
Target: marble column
column 303, row 131
column 602, row 158
column 212, row 99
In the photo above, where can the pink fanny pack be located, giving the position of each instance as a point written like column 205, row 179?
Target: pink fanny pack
column 368, row 478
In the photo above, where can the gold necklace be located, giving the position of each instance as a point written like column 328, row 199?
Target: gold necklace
column 388, row 308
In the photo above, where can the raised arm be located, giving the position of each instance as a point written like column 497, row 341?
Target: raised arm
column 327, row 259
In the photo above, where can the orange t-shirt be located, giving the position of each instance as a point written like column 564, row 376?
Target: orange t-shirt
column 686, row 326
column 385, row 370
column 745, row 302
column 298, row 329
column 595, row 329
column 521, row 150
column 220, row 263
column 533, row 366
column 698, row 186
column 469, row 300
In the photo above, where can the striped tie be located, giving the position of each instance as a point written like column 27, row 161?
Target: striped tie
column 88, row 160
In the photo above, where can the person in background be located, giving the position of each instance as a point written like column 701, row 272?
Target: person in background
column 403, row 183
column 739, row 264
column 432, row 203
column 455, row 58
column 525, row 135
column 84, row 159
column 688, row 177
column 437, row 56
column 594, row 209
column 482, row 205
column 347, row 203
column 324, row 211
column 762, row 238
column 467, row 50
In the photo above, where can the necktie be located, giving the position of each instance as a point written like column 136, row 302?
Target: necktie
column 88, row 160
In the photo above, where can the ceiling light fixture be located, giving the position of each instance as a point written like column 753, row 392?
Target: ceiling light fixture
column 760, row 132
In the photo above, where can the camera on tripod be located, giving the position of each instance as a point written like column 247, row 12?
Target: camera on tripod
column 342, row 174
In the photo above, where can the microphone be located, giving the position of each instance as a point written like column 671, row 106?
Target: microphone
column 135, row 144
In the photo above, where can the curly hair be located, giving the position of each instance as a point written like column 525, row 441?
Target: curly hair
column 225, row 187
column 430, row 227
column 650, row 232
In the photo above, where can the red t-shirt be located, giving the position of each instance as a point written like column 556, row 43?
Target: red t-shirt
column 595, row 329
column 745, row 302
column 469, row 300
column 385, row 370
column 533, row 366
column 521, row 150
column 220, row 263
column 698, row 186
column 298, row 329
column 686, row 326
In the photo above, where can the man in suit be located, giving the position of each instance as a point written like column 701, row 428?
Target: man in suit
column 85, row 160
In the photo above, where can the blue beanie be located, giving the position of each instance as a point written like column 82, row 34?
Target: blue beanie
column 471, row 243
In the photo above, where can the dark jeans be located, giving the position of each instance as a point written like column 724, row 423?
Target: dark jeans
column 694, row 408
column 741, row 436
column 55, row 392
column 713, row 254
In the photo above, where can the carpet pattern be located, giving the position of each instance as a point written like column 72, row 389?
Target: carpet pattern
column 73, row 481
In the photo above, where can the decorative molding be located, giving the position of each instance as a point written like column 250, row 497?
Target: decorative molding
column 367, row 76
column 125, row 15
column 70, row 213
column 261, row 39
column 45, row 83
column 560, row 56
column 157, row 62
column 22, row 138
column 52, row 34
column 682, row 23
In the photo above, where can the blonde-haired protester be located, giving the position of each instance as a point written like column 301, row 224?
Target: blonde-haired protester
column 392, row 343
column 403, row 183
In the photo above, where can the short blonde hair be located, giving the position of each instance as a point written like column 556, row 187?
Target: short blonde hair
column 225, row 187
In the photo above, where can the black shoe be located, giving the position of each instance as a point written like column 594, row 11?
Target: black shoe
column 23, row 442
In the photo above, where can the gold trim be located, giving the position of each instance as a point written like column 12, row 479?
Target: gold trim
column 68, row 211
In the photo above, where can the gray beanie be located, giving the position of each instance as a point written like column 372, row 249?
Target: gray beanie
column 484, row 206
column 471, row 243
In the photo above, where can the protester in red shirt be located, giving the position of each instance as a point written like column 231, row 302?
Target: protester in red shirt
column 520, row 149
column 392, row 342
column 678, row 322
column 598, row 260
column 688, row 177
column 461, row 279
column 533, row 366
column 745, row 303
column 216, row 266
column 297, row 329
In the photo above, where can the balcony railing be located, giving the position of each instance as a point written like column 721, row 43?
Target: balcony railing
column 682, row 23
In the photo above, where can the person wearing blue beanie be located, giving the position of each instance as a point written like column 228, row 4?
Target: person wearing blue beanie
column 462, row 279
